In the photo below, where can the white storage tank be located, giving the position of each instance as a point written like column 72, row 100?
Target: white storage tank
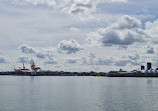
column 151, row 70
column 155, row 71
column 146, row 71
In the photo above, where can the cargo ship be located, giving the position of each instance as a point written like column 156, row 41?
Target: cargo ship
column 25, row 71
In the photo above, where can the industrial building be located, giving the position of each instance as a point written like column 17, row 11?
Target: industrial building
column 144, row 72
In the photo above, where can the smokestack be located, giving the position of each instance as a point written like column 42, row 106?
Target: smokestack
column 142, row 67
column 149, row 65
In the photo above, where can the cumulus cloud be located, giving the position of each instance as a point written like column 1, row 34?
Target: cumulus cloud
column 127, row 22
column 39, row 52
column 45, row 54
column 80, row 7
column 83, row 9
column 69, row 47
column 150, row 49
column 126, row 62
column 74, row 6
column 51, row 3
column 77, row 7
column 23, row 59
column 50, row 61
column 27, row 49
column 152, row 30
column 91, row 59
column 125, row 31
column 134, row 57
column 2, row 60
column 121, row 63
column 40, row 55
column 84, row 6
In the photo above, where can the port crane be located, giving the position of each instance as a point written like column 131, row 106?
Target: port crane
column 33, row 67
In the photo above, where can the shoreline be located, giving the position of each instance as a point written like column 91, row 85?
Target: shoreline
column 12, row 73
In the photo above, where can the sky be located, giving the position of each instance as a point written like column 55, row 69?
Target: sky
column 78, row 35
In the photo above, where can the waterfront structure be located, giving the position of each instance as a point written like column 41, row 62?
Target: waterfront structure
column 149, row 72
column 136, row 73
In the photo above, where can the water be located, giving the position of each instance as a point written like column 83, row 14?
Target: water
column 19, row 93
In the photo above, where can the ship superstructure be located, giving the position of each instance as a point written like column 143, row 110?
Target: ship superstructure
column 23, row 69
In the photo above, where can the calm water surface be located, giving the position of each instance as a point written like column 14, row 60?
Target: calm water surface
column 19, row 93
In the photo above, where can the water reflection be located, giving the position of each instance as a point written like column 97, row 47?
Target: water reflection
column 78, row 94
column 149, row 82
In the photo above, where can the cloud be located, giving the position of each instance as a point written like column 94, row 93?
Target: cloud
column 50, row 61
column 91, row 59
column 37, row 51
column 40, row 55
column 126, row 31
column 69, row 47
column 134, row 57
column 45, row 54
column 50, row 3
column 81, row 7
column 130, row 59
column 111, row 1
column 150, row 49
column 23, row 59
column 84, row 10
column 27, row 49
column 126, row 62
column 75, row 29
column 71, row 6
column 2, row 60
column 71, row 61
column 127, row 22
column 151, row 30
column 122, row 63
